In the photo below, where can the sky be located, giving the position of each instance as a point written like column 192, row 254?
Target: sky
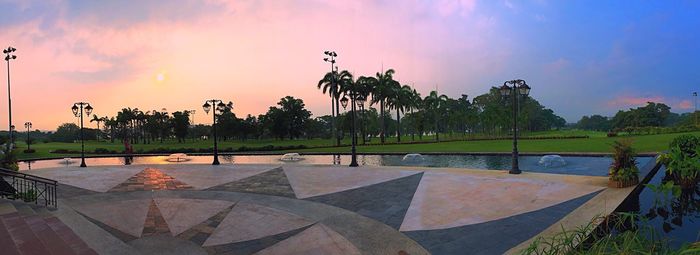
column 580, row 57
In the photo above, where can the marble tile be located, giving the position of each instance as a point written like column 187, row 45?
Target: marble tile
column 318, row 239
column 310, row 181
column 182, row 214
column 250, row 221
column 446, row 200
column 97, row 178
column 207, row 176
column 127, row 216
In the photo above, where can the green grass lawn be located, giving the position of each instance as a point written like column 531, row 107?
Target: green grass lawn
column 597, row 142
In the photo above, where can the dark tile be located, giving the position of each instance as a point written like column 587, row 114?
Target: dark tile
column 386, row 202
column 498, row 236
column 273, row 182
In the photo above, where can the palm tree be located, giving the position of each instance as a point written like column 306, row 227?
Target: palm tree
column 380, row 93
column 329, row 84
column 399, row 101
column 97, row 119
column 364, row 87
column 414, row 103
column 434, row 102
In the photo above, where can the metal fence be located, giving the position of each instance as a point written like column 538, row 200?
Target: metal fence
column 28, row 188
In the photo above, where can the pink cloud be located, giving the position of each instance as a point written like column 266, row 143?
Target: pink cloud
column 632, row 101
column 685, row 105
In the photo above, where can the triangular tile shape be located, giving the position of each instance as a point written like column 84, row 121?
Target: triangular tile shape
column 250, row 221
column 253, row 246
column 97, row 178
column 150, row 179
column 310, row 181
column 127, row 216
column 215, row 175
column 318, row 239
column 202, row 231
column 447, row 200
column 155, row 223
column 386, row 202
column 183, row 214
column 273, row 182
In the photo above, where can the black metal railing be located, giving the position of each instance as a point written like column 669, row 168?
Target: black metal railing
column 28, row 188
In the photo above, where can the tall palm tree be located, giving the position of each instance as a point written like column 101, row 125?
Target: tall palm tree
column 364, row 86
column 329, row 84
column 414, row 103
column 434, row 102
column 380, row 93
column 400, row 100
column 97, row 119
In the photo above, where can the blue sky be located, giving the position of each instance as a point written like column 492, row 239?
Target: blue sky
column 579, row 57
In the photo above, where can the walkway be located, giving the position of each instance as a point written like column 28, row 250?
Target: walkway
column 304, row 209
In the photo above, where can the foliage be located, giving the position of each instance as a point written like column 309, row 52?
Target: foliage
column 635, row 239
column 28, row 196
column 181, row 123
column 688, row 144
column 624, row 166
column 66, row 132
column 9, row 159
column 29, row 151
column 650, row 115
column 681, row 165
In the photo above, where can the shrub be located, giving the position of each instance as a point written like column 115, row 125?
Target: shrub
column 624, row 166
column 688, row 144
column 612, row 134
column 29, row 151
column 101, row 151
column 683, row 167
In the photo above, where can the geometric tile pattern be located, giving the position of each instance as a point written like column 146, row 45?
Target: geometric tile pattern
column 273, row 182
column 385, row 202
column 207, row 176
column 183, row 214
column 201, row 232
column 446, row 200
column 318, row 239
column 150, row 179
column 511, row 231
column 310, row 181
column 252, row 246
column 249, row 221
column 155, row 223
column 127, row 216
column 99, row 179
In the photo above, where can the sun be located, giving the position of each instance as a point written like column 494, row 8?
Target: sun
column 160, row 77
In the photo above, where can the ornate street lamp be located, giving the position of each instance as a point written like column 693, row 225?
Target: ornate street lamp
column 78, row 109
column 334, row 69
column 344, row 103
column 9, row 56
column 516, row 89
column 28, row 125
column 219, row 107
column 361, row 104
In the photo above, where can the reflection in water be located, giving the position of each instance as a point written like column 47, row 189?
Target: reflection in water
column 677, row 216
column 592, row 166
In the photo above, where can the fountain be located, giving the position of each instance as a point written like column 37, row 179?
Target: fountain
column 178, row 157
column 552, row 161
column 291, row 157
column 67, row 161
column 413, row 158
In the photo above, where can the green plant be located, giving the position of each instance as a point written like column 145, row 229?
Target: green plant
column 9, row 160
column 687, row 143
column 624, row 166
column 29, row 196
column 681, row 165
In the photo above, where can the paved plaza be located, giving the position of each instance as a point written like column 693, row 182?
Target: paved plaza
column 311, row 209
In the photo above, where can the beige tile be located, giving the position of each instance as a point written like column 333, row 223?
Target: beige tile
column 182, row 214
column 127, row 216
column 316, row 240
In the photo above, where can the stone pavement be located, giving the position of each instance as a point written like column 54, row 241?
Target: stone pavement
column 311, row 209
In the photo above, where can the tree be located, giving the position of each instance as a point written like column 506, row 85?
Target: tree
column 433, row 103
column 181, row 123
column 400, row 100
column 66, row 132
column 97, row 119
column 381, row 91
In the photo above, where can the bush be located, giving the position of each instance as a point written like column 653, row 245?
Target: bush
column 102, row 151
column 64, row 151
column 612, row 134
column 29, row 151
column 624, row 166
column 688, row 144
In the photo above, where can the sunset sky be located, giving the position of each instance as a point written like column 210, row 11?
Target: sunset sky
column 579, row 57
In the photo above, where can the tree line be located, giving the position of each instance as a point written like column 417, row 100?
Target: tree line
column 650, row 115
column 385, row 108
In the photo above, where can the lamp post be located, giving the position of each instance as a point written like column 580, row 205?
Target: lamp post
column 218, row 107
column 8, row 56
column 334, row 126
column 516, row 89
column 344, row 102
column 28, row 125
column 695, row 113
column 78, row 109
column 361, row 104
